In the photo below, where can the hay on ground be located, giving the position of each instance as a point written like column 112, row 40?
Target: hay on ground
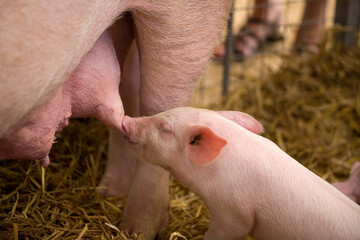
column 310, row 108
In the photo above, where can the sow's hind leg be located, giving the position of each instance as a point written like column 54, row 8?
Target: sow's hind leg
column 176, row 41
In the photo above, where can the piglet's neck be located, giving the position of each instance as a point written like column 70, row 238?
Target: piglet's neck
column 229, row 179
column 185, row 178
column 208, row 179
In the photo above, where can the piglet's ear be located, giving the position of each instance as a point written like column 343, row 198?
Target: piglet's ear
column 203, row 145
column 244, row 120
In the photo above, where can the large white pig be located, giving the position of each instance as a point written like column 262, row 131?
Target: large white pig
column 248, row 183
column 56, row 62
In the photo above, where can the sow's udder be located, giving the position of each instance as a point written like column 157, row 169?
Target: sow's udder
column 33, row 138
column 91, row 91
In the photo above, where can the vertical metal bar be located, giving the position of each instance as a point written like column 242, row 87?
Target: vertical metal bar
column 228, row 54
column 347, row 14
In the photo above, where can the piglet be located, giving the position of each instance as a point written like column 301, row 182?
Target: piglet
column 250, row 186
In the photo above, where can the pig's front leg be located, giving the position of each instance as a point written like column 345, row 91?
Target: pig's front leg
column 175, row 40
column 146, row 208
column 120, row 167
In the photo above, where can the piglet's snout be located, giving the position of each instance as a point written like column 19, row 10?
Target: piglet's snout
column 135, row 129
column 133, row 132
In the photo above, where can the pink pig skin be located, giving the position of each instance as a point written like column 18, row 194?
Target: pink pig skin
column 43, row 43
column 92, row 90
column 248, row 183
column 351, row 187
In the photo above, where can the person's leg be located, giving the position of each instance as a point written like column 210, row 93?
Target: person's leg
column 310, row 32
column 262, row 25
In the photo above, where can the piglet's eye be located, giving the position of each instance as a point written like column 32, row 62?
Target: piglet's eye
column 164, row 130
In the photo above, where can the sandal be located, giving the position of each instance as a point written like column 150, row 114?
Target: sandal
column 305, row 49
column 252, row 39
column 307, row 45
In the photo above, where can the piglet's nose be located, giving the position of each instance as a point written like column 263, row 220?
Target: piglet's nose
column 126, row 124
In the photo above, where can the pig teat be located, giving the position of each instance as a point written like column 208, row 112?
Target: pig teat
column 125, row 125
column 129, row 133
column 45, row 162
column 91, row 91
column 93, row 87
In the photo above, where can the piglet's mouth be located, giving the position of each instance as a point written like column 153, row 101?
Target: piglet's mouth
column 129, row 135
column 133, row 144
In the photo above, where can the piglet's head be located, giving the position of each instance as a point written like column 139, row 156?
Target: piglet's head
column 163, row 142
column 182, row 134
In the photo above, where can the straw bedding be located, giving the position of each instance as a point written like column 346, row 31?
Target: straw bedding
column 310, row 108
